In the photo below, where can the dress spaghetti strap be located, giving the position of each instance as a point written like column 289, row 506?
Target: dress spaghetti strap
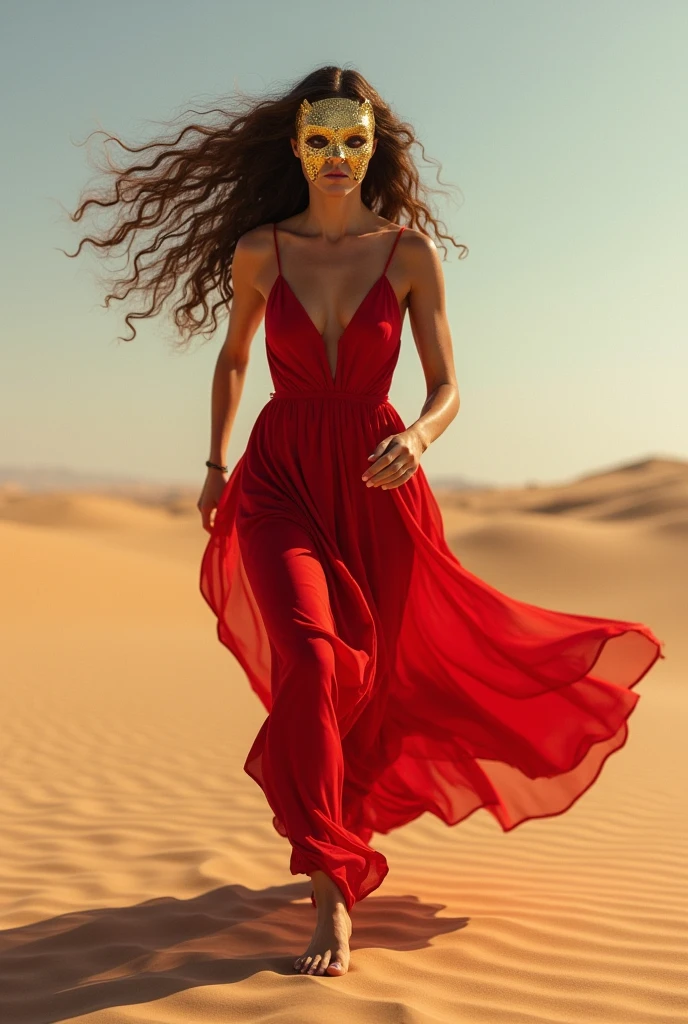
column 274, row 235
column 389, row 258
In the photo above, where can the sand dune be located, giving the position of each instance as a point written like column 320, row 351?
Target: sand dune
column 637, row 491
column 141, row 878
column 79, row 511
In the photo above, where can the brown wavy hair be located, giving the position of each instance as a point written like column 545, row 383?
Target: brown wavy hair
column 196, row 193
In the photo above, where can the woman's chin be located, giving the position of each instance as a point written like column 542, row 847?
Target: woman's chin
column 339, row 186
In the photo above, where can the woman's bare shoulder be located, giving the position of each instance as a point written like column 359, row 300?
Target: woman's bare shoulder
column 418, row 253
column 417, row 242
column 255, row 242
column 254, row 256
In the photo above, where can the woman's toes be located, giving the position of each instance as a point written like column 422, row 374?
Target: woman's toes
column 305, row 963
column 297, row 963
column 314, row 964
column 335, row 968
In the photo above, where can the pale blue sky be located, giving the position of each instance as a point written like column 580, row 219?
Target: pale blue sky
column 562, row 124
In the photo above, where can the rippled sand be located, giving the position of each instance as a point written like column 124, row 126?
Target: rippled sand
column 141, row 878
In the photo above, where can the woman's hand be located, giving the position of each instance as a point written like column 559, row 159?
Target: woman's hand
column 397, row 458
column 210, row 496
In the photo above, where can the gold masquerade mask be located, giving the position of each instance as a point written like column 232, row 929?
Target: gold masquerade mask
column 337, row 121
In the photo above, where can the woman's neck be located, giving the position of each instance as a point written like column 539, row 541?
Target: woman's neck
column 332, row 217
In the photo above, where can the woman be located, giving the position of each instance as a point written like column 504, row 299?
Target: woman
column 396, row 682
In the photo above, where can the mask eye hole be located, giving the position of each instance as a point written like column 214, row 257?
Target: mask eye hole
column 317, row 141
column 356, row 141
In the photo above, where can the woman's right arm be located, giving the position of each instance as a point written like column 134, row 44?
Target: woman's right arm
column 246, row 313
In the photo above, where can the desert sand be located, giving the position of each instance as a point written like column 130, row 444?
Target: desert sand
column 142, row 880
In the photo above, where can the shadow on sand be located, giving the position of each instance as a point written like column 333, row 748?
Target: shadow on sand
column 91, row 960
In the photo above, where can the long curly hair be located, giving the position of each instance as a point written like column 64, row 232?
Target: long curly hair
column 196, row 193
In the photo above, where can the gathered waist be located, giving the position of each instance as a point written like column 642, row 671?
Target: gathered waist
column 345, row 396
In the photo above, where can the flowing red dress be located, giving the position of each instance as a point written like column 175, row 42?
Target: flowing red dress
column 396, row 681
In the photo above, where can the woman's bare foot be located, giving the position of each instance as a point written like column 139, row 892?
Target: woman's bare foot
column 328, row 952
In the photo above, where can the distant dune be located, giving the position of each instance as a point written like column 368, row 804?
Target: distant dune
column 648, row 488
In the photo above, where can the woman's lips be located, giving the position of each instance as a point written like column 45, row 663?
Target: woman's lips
column 335, row 174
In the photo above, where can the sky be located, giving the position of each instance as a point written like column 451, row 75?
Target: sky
column 562, row 127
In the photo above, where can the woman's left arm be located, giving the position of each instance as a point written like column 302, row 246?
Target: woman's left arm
column 397, row 457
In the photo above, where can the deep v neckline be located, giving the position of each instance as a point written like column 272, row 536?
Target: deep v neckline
column 333, row 376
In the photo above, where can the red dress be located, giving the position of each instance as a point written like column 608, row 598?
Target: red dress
column 396, row 681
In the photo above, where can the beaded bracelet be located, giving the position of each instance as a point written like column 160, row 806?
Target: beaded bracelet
column 214, row 465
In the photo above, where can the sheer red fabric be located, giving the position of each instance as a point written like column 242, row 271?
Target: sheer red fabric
column 396, row 681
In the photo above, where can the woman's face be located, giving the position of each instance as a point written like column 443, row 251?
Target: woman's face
column 335, row 141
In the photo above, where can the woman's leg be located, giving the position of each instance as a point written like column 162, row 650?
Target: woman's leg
column 297, row 756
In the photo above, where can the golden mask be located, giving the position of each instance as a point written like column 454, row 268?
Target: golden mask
column 336, row 120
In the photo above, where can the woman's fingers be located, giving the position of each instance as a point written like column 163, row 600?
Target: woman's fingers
column 401, row 479
column 389, row 463
column 394, row 469
column 207, row 515
column 385, row 453
column 381, row 447
column 396, row 459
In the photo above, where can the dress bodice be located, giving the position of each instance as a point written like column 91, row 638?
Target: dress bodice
column 367, row 350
